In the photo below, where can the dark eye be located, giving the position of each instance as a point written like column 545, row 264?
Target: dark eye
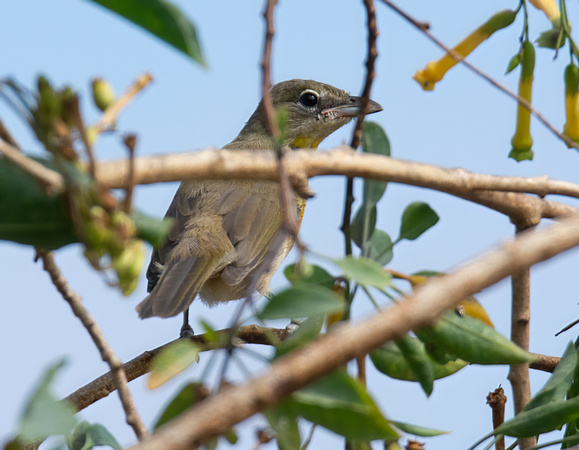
column 309, row 99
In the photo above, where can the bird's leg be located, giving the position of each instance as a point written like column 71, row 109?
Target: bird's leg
column 186, row 330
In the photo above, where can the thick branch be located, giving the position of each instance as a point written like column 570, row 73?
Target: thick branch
column 303, row 164
column 297, row 369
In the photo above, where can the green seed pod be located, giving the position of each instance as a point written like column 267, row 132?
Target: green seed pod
column 102, row 93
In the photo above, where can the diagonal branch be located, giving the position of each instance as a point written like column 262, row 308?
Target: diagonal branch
column 107, row 354
column 303, row 366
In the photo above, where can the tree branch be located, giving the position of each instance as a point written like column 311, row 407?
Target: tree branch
column 304, row 164
column 140, row 365
column 303, row 366
column 51, row 181
column 107, row 354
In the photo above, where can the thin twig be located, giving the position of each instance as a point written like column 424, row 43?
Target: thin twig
column 372, row 54
column 458, row 57
column 140, row 365
column 286, row 192
column 107, row 354
column 111, row 113
column 74, row 112
column 51, row 181
column 130, row 141
column 302, row 366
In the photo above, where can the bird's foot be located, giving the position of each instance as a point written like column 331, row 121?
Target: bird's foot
column 186, row 332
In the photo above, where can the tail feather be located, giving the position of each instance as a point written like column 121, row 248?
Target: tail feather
column 176, row 288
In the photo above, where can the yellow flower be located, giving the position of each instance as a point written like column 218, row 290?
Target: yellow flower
column 571, row 127
column 435, row 70
column 551, row 10
column 522, row 140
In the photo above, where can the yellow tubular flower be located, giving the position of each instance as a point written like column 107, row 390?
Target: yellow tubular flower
column 551, row 10
column 435, row 70
column 522, row 140
column 571, row 127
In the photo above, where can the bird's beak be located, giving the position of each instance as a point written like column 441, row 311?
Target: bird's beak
column 352, row 109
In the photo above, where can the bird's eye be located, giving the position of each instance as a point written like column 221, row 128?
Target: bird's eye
column 309, row 98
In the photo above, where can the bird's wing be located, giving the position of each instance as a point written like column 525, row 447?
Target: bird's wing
column 252, row 220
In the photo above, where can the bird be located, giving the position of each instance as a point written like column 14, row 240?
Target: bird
column 226, row 240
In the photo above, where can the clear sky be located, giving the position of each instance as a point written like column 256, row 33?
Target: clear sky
column 465, row 122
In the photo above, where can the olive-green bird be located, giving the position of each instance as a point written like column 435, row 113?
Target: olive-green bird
column 225, row 242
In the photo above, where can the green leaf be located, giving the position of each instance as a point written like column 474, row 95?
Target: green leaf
column 308, row 273
column 417, row 218
column 559, row 382
column 151, row 229
column 342, row 405
column 417, row 430
column 163, row 19
column 27, row 214
column 389, row 360
column 363, row 226
column 283, row 418
column 307, row 331
column 417, row 359
column 379, row 247
column 513, row 63
column 541, row 419
column 186, row 398
column 44, row 415
column 472, row 340
column 364, row 271
column 171, row 361
column 88, row 435
column 302, row 300
column 552, row 38
column 374, row 140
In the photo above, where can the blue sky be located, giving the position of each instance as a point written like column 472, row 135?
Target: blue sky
column 465, row 122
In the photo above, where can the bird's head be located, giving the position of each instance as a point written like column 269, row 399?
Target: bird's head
column 314, row 110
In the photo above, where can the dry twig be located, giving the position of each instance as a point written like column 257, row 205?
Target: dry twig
column 107, row 354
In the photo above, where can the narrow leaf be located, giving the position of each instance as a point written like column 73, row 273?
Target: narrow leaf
column 418, row 360
column 417, row 430
column 342, row 405
column 559, row 382
column 389, row 360
column 283, row 418
column 472, row 340
column 417, row 218
column 541, row 419
column 171, row 361
column 161, row 18
column 302, row 300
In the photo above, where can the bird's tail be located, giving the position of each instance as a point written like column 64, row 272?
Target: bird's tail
column 176, row 288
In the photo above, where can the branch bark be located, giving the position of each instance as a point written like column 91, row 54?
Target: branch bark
column 301, row 367
column 300, row 165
